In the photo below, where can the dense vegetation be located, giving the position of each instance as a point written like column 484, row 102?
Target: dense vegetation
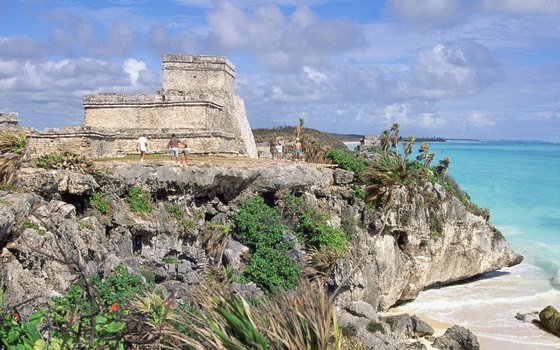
column 288, row 133
column 121, row 309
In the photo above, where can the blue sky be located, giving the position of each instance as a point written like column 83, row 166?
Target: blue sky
column 465, row 69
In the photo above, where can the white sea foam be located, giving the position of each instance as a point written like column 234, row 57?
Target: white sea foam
column 488, row 307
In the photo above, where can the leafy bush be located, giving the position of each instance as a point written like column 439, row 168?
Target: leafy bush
column 319, row 233
column 374, row 327
column 260, row 229
column 138, row 200
column 32, row 225
column 98, row 201
column 65, row 160
column 348, row 161
column 70, row 321
column 174, row 209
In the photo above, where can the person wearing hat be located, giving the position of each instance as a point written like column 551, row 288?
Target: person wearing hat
column 297, row 151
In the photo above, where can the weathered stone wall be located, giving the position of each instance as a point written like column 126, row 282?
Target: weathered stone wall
column 109, row 111
column 192, row 73
column 8, row 119
column 97, row 143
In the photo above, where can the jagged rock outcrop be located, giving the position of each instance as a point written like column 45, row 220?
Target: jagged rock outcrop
column 429, row 238
column 457, row 338
column 549, row 317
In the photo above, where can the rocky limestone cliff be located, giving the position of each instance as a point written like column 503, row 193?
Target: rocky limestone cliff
column 51, row 216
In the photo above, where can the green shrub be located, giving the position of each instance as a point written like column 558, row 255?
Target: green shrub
column 349, row 330
column 374, row 327
column 436, row 226
column 171, row 260
column 174, row 209
column 32, row 225
column 83, row 225
column 359, row 192
column 67, row 323
column 273, row 269
column 260, row 229
column 317, row 232
column 138, row 200
column 65, row 160
column 392, row 321
column 99, row 202
column 348, row 161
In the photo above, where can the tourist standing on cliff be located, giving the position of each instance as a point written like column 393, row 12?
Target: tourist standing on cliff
column 173, row 146
column 142, row 146
column 185, row 154
column 297, row 151
column 279, row 151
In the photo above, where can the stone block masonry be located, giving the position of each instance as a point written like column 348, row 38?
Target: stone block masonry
column 8, row 119
column 197, row 101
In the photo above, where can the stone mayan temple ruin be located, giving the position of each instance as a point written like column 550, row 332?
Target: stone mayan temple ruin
column 197, row 101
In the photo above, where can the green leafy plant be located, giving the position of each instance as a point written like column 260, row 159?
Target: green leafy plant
column 70, row 322
column 348, row 161
column 319, row 233
column 83, row 225
column 392, row 321
column 30, row 224
column 65, row 160
column 98, row 201
column 138, row 200
column 359, row 192
column 374, row 327
column 260, row 229
column 171, row 260
column 174, row 209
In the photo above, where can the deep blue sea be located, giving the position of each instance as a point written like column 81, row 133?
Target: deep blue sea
column 519, row 181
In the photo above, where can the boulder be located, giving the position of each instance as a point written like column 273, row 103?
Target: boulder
column 457, row 338
column 550, row 319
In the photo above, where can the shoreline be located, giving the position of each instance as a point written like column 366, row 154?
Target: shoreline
column 488, row 306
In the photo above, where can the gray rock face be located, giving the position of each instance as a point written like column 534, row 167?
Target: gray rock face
column 550, row 319
column 426, row 242
column 457, row 338
column 428, row 237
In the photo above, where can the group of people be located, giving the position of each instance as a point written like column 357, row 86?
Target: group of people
column 173, row 147
column 279, row 150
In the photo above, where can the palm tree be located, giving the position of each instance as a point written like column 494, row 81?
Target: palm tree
column 428, row 160
column 299, row 129
column 387, row 173
column 408, row 147
column 423, row 152
column 443, row 166
column 385, row 140
column 395, row 136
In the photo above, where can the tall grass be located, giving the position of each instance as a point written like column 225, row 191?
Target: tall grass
column 12, row 151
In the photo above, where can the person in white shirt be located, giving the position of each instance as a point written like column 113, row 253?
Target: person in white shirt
column 279, row 151
column 142, row 146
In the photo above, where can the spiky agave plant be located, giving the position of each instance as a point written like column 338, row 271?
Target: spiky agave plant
column 12, row 151
column 219, row 319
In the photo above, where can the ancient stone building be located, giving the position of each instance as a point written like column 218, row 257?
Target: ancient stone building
column 197, row 101
column 8, row 119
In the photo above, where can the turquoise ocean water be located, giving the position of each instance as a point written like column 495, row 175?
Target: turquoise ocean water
column 520, row 183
